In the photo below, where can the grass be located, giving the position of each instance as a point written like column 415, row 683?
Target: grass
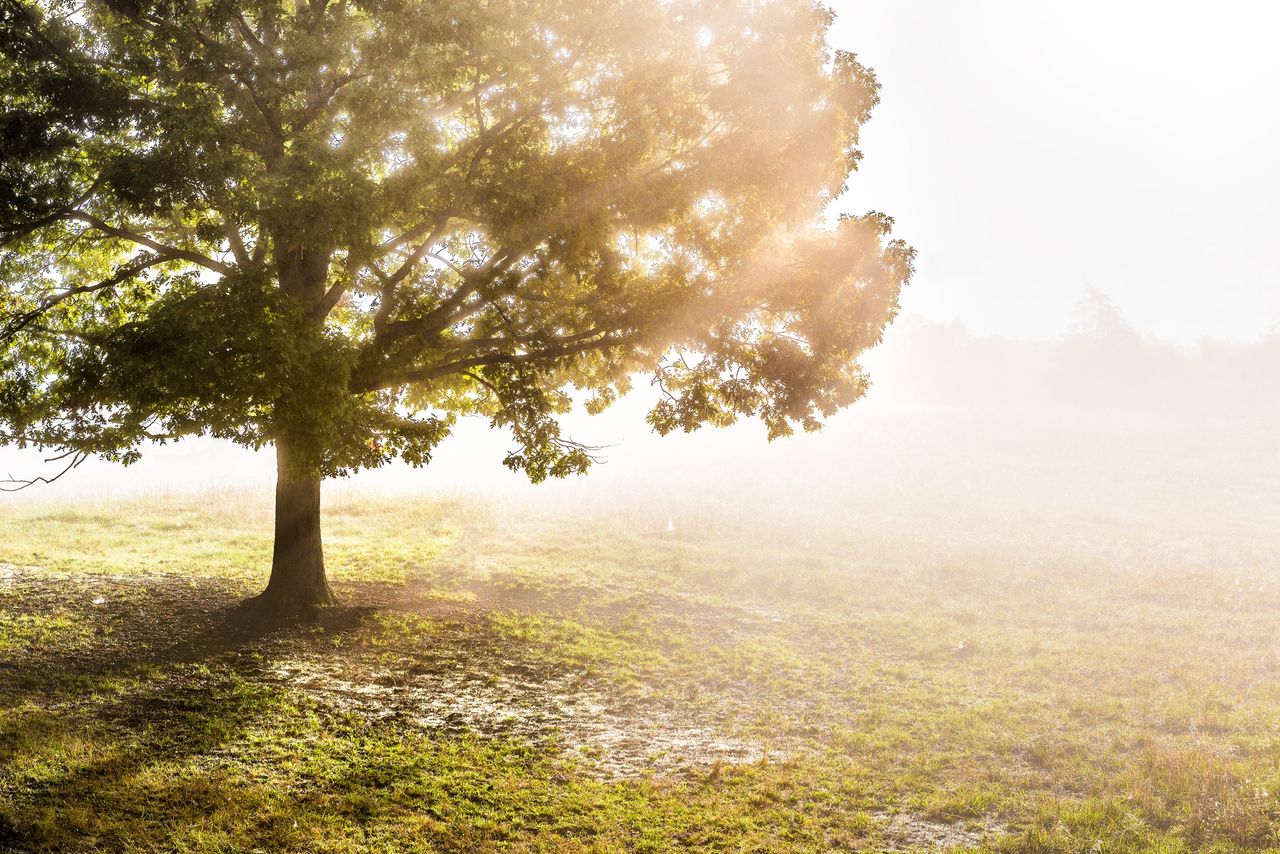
column 887, row 674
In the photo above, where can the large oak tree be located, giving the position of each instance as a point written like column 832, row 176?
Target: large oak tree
column 335, row 225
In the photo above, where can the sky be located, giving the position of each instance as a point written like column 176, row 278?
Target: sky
column 1026, row 148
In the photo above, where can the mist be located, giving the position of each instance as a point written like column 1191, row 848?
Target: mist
column 1105, row 419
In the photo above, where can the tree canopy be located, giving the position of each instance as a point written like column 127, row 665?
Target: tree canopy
column 347, row 223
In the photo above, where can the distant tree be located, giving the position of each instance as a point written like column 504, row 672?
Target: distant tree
column 335, row 225
column 1104, row 359
column 1096, row 317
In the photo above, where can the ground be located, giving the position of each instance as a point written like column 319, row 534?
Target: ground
column 876, row 675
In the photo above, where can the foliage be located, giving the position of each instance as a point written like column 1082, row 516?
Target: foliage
column 344, row 223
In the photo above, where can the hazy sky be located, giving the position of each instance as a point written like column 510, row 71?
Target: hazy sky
column 1027, row 147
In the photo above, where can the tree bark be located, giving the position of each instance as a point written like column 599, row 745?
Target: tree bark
column 297, row 565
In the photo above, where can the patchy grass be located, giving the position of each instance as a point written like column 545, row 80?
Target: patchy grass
column 875, row 677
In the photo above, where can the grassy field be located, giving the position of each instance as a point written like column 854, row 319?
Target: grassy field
column 1002, row 665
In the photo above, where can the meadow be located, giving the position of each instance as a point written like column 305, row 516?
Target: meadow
column 1016, row 637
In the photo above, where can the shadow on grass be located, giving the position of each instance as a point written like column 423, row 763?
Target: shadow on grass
column 103, row 627
column 156, row 714
column 117, row 710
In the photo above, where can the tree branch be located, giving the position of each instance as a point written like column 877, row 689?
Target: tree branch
column 332, row 296
column 461, row 366
column 14, row 230
column 77, row 457
column 125, row 272
column 236, row 242
column 440, row 316
column 323, row 99
column 173, row 252
column 251, row 39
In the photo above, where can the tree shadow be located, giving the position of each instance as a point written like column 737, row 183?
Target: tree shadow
column 117, row 719
column 151, row 623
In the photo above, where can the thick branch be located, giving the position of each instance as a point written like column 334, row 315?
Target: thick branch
column 445, row 313
column 251, row 39
column 323, row 99
column 212, row 48
column 237, row 243
column 417, row 255
column 332, row 296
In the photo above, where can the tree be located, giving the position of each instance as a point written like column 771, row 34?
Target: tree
column 336, row 225
column 1104, row 359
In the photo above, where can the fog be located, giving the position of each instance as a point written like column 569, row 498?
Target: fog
column 1154, row 439
column 1028, row 148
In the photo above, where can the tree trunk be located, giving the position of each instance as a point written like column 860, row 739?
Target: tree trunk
column 297, row 565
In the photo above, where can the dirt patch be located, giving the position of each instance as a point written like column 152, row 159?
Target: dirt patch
column 611, row 736
column 906, row 832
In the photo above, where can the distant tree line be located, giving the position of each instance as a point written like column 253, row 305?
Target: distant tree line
column 1102, row 362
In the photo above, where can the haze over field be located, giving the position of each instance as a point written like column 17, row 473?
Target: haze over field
column 944, row 401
